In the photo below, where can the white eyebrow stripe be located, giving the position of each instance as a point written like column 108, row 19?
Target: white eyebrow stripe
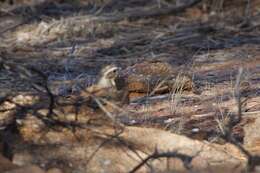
column 111, row 69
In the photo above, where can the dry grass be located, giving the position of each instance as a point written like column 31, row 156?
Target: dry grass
column 70, row 50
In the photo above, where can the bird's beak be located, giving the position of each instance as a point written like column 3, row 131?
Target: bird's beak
column 113, row 82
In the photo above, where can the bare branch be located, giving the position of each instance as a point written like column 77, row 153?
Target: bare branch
column 156, row 12
column 238, row 94
column 156, row 155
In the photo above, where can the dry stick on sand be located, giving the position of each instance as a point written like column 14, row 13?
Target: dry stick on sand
column 156, row 155
column 117, row 107
column 102, row 107
column 103, row 144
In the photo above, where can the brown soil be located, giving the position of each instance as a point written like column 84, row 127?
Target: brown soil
column 69, row 42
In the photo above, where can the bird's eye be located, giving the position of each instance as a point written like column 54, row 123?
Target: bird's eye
column 114, row 71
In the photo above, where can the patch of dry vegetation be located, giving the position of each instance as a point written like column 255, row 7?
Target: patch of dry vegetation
column 181, row 62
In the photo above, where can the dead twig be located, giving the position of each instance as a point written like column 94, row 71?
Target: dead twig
column 103, row 108
column 157, row 12
column 47, row 89
column 159, row 87
column 156, row 155
column 26, row 74
column 103, row 144
column 238, row 94
column 253, row 161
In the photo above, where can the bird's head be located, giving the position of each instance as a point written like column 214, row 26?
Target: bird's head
column 110, row 72
column 108, row 75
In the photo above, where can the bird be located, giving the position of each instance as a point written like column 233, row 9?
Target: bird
column 106, row 96
column 106, row 79
column 109, row 86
